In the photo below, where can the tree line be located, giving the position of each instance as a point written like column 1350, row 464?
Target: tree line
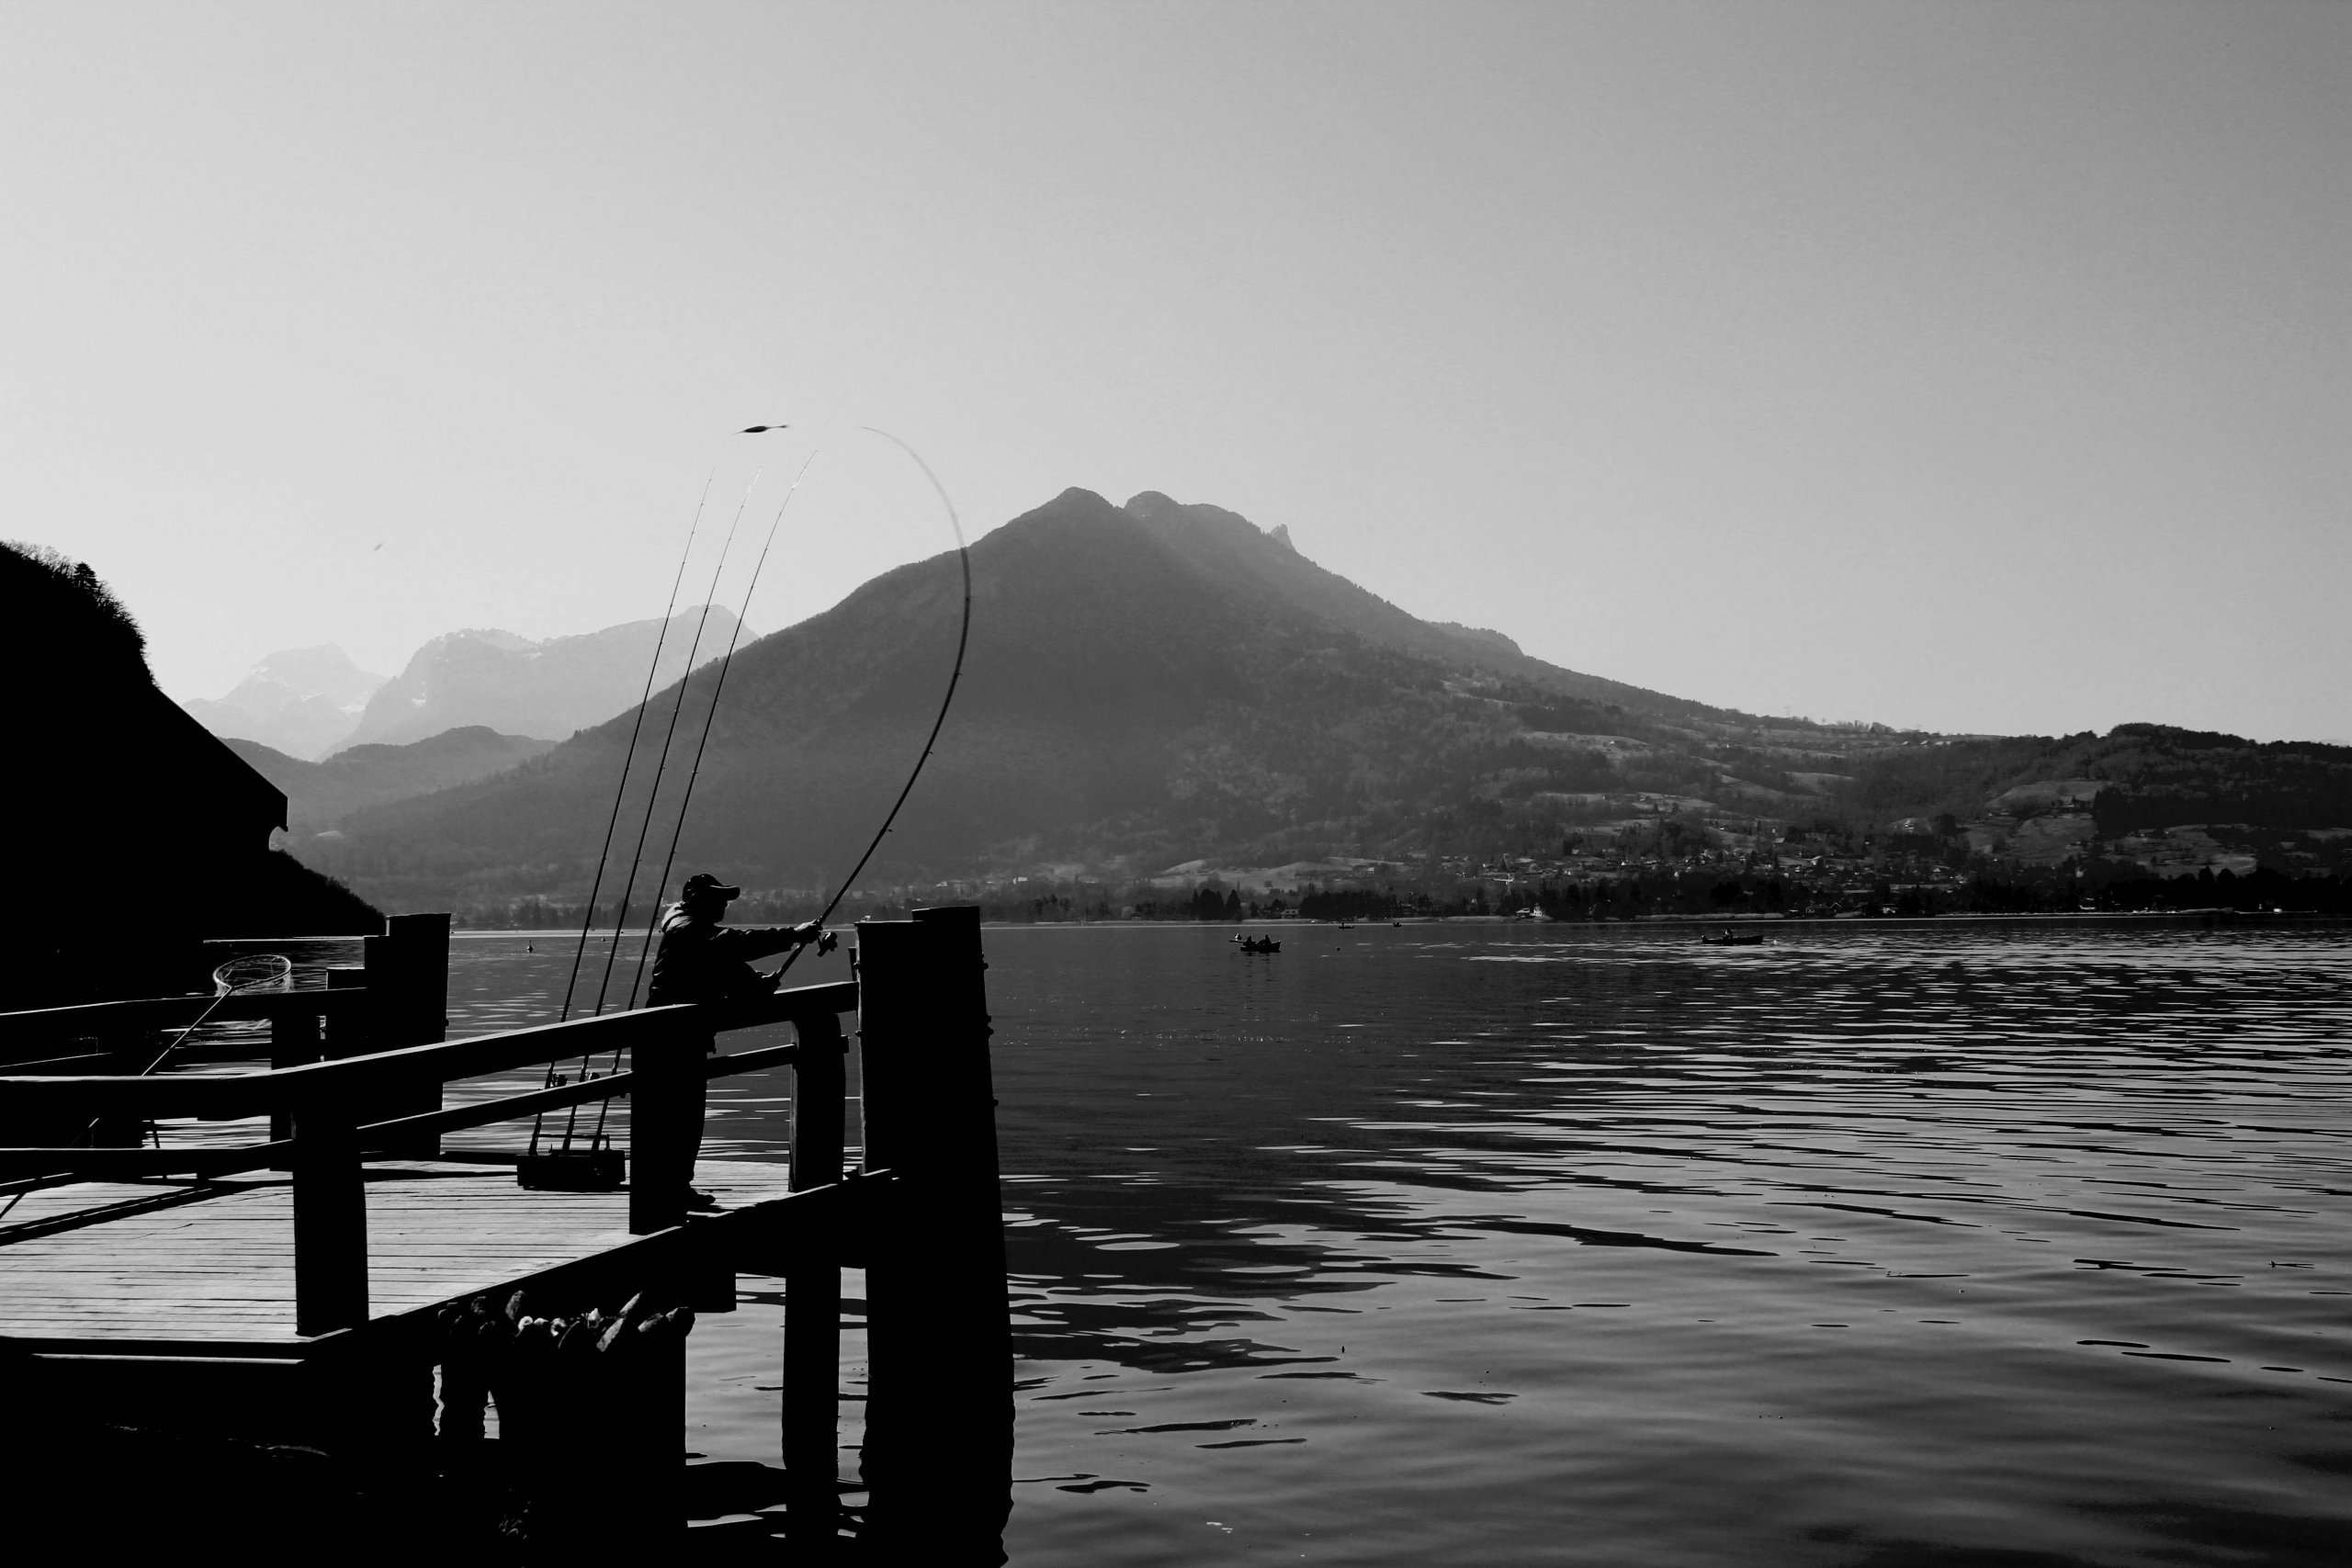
column 1638, row 896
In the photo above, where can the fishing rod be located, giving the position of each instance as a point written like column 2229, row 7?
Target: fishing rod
column 653, row 794
column 669, row 861
column 719, row 685
column 620, row 790
column 962, row 640
column 628, row 761
column 661, row 761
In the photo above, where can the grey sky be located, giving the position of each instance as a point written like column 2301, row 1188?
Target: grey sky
column 1975, row 366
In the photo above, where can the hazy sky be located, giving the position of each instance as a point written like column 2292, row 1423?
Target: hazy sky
column 1971, row 366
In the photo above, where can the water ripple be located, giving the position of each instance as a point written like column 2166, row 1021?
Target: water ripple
column 1866, row 1246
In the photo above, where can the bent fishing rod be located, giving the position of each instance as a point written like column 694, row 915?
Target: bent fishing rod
column 954, row 678
column 931, row 741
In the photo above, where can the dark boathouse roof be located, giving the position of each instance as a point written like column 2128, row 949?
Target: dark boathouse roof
column 129, row 830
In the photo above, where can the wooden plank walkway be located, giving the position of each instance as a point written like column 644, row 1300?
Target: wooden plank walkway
column 102, row 1263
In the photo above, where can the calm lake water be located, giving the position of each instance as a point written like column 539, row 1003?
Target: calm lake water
column 1487, row 1246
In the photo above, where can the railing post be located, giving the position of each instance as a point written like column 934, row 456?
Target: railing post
column 294, row 1041
column 938, row 1453
column 408, row 983
column 352, row 1035
column 349, row 1035
column 812, row 1300
column 330, row 1217
column 665, row 1123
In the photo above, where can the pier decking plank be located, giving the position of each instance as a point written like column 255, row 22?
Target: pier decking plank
column 221, row 1267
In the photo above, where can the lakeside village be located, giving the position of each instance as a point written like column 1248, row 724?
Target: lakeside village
column 1677, row 868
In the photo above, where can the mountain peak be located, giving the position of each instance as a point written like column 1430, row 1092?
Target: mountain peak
column 1158, row 507
column 296, row 700
column 524, row 687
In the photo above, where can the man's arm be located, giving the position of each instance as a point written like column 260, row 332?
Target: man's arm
column 745, row 943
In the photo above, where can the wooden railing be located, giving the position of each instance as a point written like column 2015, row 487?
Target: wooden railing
column 403, row 972
column 925, row 1221
column 337, row 1113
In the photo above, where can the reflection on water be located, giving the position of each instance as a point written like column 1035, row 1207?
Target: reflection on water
column 1482, row 1246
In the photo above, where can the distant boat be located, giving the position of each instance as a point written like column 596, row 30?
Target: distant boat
column 1347, row 925
column 1732, row 939
column 1260, row 944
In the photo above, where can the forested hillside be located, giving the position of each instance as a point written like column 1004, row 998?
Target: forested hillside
column 320, row 794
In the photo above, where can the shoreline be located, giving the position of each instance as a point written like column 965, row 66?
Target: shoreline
column 2201, row 918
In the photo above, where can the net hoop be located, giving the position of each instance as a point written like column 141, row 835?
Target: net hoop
column 253, row 972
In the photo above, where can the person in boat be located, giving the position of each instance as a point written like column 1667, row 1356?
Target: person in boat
column 700, row 960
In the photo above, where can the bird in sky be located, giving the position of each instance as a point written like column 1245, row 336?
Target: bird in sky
column 762, row 429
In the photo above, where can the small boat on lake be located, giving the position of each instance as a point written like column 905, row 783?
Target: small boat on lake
column 1259, row 944
column 1734, row 939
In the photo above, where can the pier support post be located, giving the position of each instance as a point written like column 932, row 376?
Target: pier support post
column 664, row 1125
column 330, row 1218
column 656, row 1504
column 812, row 1300
column 938, row 1451
column 408, row 981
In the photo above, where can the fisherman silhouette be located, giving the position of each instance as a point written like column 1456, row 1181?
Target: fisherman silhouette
column 701, row 961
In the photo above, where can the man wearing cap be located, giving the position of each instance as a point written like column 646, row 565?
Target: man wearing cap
column 701, row 961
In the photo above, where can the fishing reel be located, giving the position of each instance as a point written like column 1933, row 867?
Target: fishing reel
column 824, row 941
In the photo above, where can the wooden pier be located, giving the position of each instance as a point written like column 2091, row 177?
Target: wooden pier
column 343, row 1287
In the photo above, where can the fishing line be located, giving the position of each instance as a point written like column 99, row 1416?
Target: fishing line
column 962, row 640
column 661, row 761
